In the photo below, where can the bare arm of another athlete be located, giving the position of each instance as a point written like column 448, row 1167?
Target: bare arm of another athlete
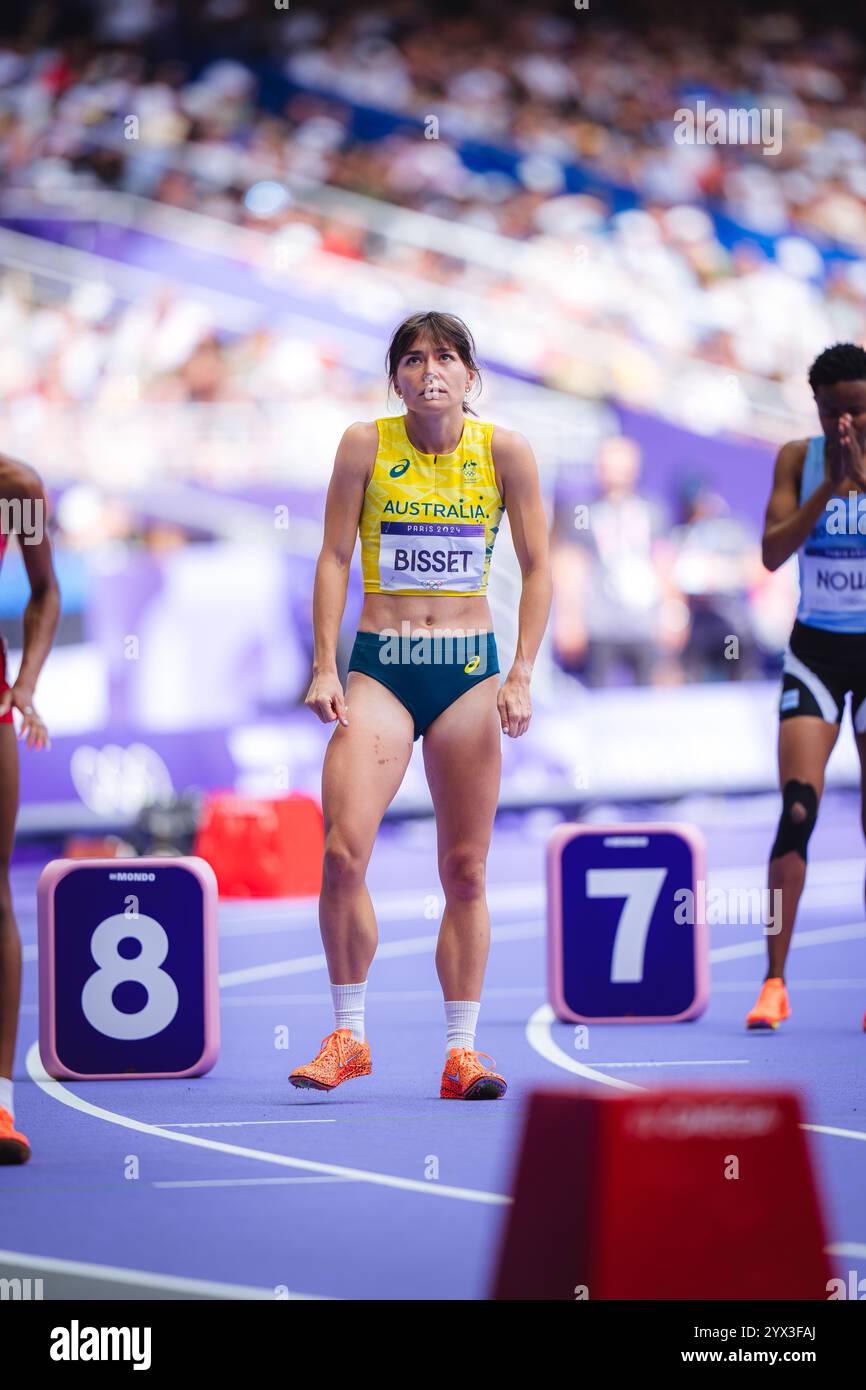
column 521, row 494
column 22, row 493
column 355, row 455
column 787, row 524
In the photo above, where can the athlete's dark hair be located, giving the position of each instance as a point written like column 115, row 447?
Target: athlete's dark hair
column 443, row 330
column 841, row 362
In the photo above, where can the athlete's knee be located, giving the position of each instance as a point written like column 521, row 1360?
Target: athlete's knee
column 344, row 868
column 463, row 873
column 799, row 813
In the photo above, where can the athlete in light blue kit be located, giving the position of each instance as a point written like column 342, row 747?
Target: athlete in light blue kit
column 818, row 509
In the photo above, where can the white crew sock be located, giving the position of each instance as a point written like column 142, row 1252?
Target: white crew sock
column 461, row 1017
column 6, row 1095
column 349, row 1007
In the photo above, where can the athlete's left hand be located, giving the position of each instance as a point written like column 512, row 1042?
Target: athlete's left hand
column 20, row 697
column 514, row 704
column 851, row 450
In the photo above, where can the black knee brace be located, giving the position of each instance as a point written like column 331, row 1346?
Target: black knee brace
column 794, row 834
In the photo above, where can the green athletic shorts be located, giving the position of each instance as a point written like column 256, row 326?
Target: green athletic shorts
column 427, row 673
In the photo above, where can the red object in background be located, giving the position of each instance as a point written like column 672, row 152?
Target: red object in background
column 634, row 1198
column 58, row 74
column 267, row 847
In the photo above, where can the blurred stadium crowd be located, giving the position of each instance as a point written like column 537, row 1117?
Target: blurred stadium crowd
column 532, row 81
column 691, row 252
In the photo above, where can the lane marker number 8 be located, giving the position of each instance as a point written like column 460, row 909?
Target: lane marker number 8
column 97, row 997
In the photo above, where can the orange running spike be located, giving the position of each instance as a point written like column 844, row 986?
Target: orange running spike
column 341, row 1058
column 464, row 1078
column 772, row 1007
column 14, row 1148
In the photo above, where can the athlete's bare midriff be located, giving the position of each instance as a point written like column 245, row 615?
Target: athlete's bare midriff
column 457, row 612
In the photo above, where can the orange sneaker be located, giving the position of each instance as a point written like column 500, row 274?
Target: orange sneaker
column 464, row 1078
column 340, row 1058
column 14, row 1148
column 772, row 1007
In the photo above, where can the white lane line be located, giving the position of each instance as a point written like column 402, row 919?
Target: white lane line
column 396, row 904
column 820, row 936
column 539, row 1032
column 846, row 1247
column 299, row 966
column 381, row 996
column 235, row 1124
column 388, row 950
column 540, row 1037
column 248, row 1182
column 839, row 1133
column 830, row 881
column 539, row 1028
column 280, row 924
column 59, row 1092
column 504, row 899
column 822, row 873
column 390, row 904
column 691, row 1062
column 115, row 1274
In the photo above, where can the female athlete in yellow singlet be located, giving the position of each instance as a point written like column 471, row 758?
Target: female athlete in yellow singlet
column 426, row 491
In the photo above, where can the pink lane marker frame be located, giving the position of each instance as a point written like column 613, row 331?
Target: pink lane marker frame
column 53, row 874
column 559, row 838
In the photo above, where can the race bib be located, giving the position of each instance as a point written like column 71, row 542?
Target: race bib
column 431, row 555
column 834, row 581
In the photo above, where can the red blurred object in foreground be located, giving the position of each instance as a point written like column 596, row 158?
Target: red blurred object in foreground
column 262, row 847
column 674, row 1194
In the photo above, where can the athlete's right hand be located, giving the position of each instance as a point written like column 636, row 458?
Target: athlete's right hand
column 325, row 698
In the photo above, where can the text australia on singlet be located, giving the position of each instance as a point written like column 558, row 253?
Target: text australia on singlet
column 431, row 545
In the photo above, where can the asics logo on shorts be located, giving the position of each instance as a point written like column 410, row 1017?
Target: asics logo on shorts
column 472, row 665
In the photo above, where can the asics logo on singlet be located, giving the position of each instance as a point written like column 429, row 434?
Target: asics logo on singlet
column 399, row 468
